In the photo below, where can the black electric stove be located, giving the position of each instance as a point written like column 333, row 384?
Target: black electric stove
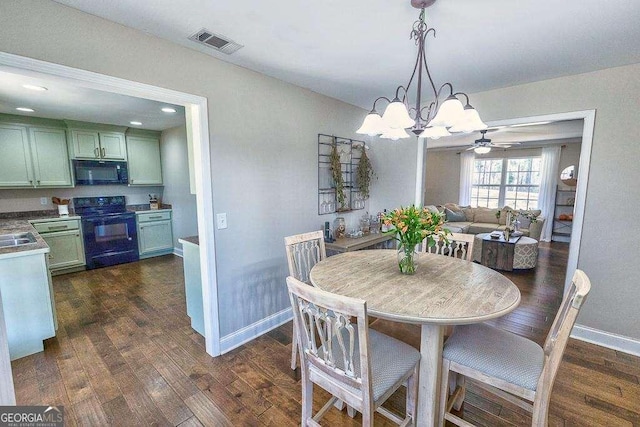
column 110, row 233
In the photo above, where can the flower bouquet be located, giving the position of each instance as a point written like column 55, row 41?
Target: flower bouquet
column 412, row 225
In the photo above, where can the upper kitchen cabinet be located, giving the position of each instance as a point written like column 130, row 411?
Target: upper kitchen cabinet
column 94, row 144
column 33, row 156
column 50, row 157
column 16, row 169
column 144, row 158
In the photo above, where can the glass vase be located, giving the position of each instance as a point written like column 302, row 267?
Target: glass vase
column 408, row 258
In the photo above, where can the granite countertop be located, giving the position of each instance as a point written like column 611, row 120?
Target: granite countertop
column 191, row 239
column 146, row 207
column 13, row 226
column 44, row 214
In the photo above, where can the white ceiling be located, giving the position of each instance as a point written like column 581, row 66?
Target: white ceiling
column 567, row 131
column 64, row 100
column 357, row 50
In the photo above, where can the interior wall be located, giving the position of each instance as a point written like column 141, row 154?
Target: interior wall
column 442, row 182
column 613, row 93
column 175, row 176
column 29, row 199
column 263, row 135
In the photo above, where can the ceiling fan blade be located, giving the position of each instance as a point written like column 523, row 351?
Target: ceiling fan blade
column 506, row 143
column 500, row 146
column 470, row 148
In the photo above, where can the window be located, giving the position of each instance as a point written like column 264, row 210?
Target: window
column 511, row 182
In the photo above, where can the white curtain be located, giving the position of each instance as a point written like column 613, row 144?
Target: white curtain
column 550, row 162
column 466, row 177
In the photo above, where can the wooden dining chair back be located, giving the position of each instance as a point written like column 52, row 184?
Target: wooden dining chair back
column 358, row 366
column 508, row 365
column 460, row 246
column 303, row 252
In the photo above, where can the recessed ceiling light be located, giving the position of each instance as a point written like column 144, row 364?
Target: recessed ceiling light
column 25, row 109
column 34, row 87
column 169, row 110
column 530, row 124
column 136, row 123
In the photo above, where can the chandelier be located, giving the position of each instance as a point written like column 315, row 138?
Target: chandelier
column 433, row 120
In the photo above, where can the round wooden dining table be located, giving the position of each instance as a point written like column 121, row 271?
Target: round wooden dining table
column 443, row 291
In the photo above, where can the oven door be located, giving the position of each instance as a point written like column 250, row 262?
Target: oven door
column 110, row 239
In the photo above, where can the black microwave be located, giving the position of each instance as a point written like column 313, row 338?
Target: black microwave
column 93, row 172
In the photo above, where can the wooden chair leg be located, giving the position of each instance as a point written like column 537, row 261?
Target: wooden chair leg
column 294, row 349
column 412, row 395
column 444, row 392
column 307, row 399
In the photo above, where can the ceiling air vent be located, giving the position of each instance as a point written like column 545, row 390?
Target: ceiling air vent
column 215, row 41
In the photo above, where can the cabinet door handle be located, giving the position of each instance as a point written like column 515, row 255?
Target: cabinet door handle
column 50, row 256
column 58, row 227
column 96, row 151
column 104, row 152
column 31, row 181
column 38, row 181
column 156, row 217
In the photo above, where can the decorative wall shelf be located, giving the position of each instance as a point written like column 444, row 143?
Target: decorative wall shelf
column 349, row 151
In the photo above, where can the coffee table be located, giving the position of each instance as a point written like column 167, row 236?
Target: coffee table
column 525, row 252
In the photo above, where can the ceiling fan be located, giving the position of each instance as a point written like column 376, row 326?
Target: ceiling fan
column 483, row 144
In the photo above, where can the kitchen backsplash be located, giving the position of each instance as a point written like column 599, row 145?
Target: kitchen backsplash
column 29, row 200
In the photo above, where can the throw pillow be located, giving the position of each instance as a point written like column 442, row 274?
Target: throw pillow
column 453, row 207
column 454, row 216
column 432, row 209
column 486, row 215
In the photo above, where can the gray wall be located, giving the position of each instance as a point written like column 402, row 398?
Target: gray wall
column 263, row 135
column 614, row 172
column 175, row 176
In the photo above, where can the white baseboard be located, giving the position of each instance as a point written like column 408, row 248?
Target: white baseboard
column 606, row 339
column 246, row 334
column 178, row 252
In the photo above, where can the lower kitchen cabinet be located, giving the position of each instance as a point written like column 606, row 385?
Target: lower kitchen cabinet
column 27, row 302
column 155, row 233
column 64, row 238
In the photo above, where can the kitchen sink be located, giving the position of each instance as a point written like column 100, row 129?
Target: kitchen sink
column 16, row 239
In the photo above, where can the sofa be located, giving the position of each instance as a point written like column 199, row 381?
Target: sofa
column 468, row 220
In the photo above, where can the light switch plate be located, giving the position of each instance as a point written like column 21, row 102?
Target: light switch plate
column 44, row 201
column 221, row 220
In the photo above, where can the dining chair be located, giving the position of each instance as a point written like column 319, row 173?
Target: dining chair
column 303, row 252
column 508, row 365
column 460, row 246
column 358, row 365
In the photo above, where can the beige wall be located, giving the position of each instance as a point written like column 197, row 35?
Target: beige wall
column 263, row 136
column 442, row 182
column 609, row 249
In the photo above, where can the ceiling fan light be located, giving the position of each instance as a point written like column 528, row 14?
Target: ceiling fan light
column 450, row 112
column 434, row 132
column 482, row 150
column 395, row 134
column 372, row 125
column 396, row 116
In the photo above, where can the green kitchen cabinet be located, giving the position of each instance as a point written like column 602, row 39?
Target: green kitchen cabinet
column 155, row 233
column 144, row 160
column 27, row 302
column 64, row 237
column 50, row 157
column 33, row 157
column 98, row 145
column 16, row 169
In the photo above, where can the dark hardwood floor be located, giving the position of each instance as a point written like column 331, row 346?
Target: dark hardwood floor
column 125, row 355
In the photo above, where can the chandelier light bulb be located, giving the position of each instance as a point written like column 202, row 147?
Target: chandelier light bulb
column 372, row 124
column 396, row 116
column 482, row 150
column 450, row 112
column 395, row 134
column 470, row 121
column 435, row 132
